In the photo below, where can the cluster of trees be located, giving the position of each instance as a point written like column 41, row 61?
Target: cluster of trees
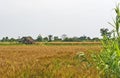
column 7, row 39
column 51, row 38
column 106, row 32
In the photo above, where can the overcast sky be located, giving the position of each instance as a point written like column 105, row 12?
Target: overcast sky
column 56, row 17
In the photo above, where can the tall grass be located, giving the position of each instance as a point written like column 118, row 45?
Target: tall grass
column 108, row 61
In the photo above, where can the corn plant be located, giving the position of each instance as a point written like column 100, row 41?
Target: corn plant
column 108, row 61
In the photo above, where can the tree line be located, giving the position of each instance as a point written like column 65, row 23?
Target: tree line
column 63, row 38
column 51, row 38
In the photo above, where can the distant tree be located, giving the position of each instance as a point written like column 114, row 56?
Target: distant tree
column 83, row 38
column 18, row 39
column 68, row 39
column 95, row 39
column 39, row 38
column 12, row 40
column 50, row 38
column 64, row 36
column 5, row 39
column 56, row 38
column 105, row 32
column 45, row 39
column 88, row 38
column 76, row 39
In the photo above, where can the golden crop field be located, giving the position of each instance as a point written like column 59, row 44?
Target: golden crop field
column 34, row 61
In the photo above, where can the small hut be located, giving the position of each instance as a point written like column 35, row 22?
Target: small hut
column 27, row 40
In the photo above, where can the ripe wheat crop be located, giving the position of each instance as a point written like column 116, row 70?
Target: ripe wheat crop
column 45, row 61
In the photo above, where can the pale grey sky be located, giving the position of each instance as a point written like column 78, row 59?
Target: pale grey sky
column 56, row 17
